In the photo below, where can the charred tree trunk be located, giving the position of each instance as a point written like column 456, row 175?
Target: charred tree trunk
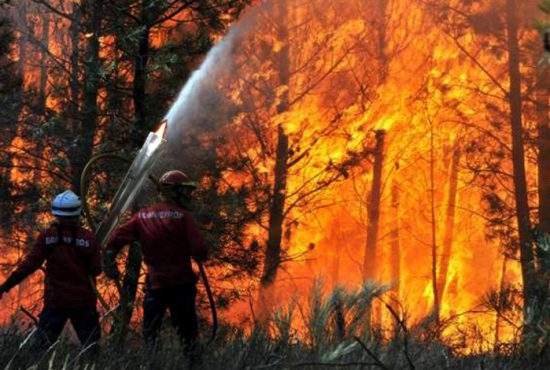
column 91, row 13
column 395, row 255
column 276, row 210
column 74, row 87
column 272, row 258
column 518, row 159
column 134, row 259
column 381, row 20
column 140, row 74
column 335, row 273
column 11, row 82
column 543, row 103
column 435, row 291
column 128, row 294
column 23, row 41
column 41, row 102
column 395, row 250
column 498, row 317
column 6, row 186
column 449, row 222
column 43, row 80
column 373, row 212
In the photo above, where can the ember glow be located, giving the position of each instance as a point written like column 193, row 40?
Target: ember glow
column 379, row 105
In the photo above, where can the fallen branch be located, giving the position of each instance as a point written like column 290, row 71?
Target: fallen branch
column 29, row 315
column 377, row 361
column 406, row 336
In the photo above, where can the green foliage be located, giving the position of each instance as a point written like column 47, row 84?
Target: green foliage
column 539, row 311
column 543, row 25
column 10, row 104
column 10, row 82
column 545, row 6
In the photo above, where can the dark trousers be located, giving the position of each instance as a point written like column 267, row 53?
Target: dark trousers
column 85, row 322
column 180, row 300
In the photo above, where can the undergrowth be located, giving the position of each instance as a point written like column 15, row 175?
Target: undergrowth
column 335, row 332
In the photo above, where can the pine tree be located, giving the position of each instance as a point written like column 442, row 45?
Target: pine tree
column 10, row 102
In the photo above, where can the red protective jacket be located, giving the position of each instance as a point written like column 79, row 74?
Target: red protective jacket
column 169, row 237
column 72, row 262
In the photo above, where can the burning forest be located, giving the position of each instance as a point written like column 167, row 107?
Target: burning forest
column 360, row 183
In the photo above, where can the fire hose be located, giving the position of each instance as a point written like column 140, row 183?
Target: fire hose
column 84, row 187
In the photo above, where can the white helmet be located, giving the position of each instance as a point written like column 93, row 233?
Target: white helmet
column 67, row 204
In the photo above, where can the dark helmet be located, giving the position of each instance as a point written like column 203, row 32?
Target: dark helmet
column 176, row 186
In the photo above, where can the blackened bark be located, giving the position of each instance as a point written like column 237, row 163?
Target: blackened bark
column 91, row 10
column 381, row 19
column 140, row 74
column 272, row 258
column 435, row 290
column 395, row 250
column 74, row 86
column 373, row 212
column 335, row 273
column 498, row 317
column 43, row 80
column 543, row 102
column 449, row 222
column 134, row 259
column 128, row 294
column 276, row 210
column 518, row 160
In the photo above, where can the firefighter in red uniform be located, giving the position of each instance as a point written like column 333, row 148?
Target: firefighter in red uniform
column 169, row 237
column 73, row 261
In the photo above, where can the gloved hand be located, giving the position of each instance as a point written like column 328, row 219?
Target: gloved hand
column 111, row 271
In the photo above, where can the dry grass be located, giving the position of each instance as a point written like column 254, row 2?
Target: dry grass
column 338, row 335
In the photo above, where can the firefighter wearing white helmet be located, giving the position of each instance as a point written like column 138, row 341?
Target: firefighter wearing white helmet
column 67, row 204
column 72, row 261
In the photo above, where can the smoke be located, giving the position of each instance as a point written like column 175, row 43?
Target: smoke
column 191, row 104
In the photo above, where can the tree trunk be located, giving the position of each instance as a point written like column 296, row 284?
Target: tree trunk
column 140, row 75
column 128, row 294
column 337, row 258
column 381, row 19
column 518, row 158
column 449, row 222
column 74, row 87
column 43, row 80
column 91, row 10
column 543, row 103
column 6, row 186
column 373, row 212
column 498, row 317
column 435, row 291
column 134, row 259
column 272, row 258
column 276, row 211
column 41, row 103
column 395, row 258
